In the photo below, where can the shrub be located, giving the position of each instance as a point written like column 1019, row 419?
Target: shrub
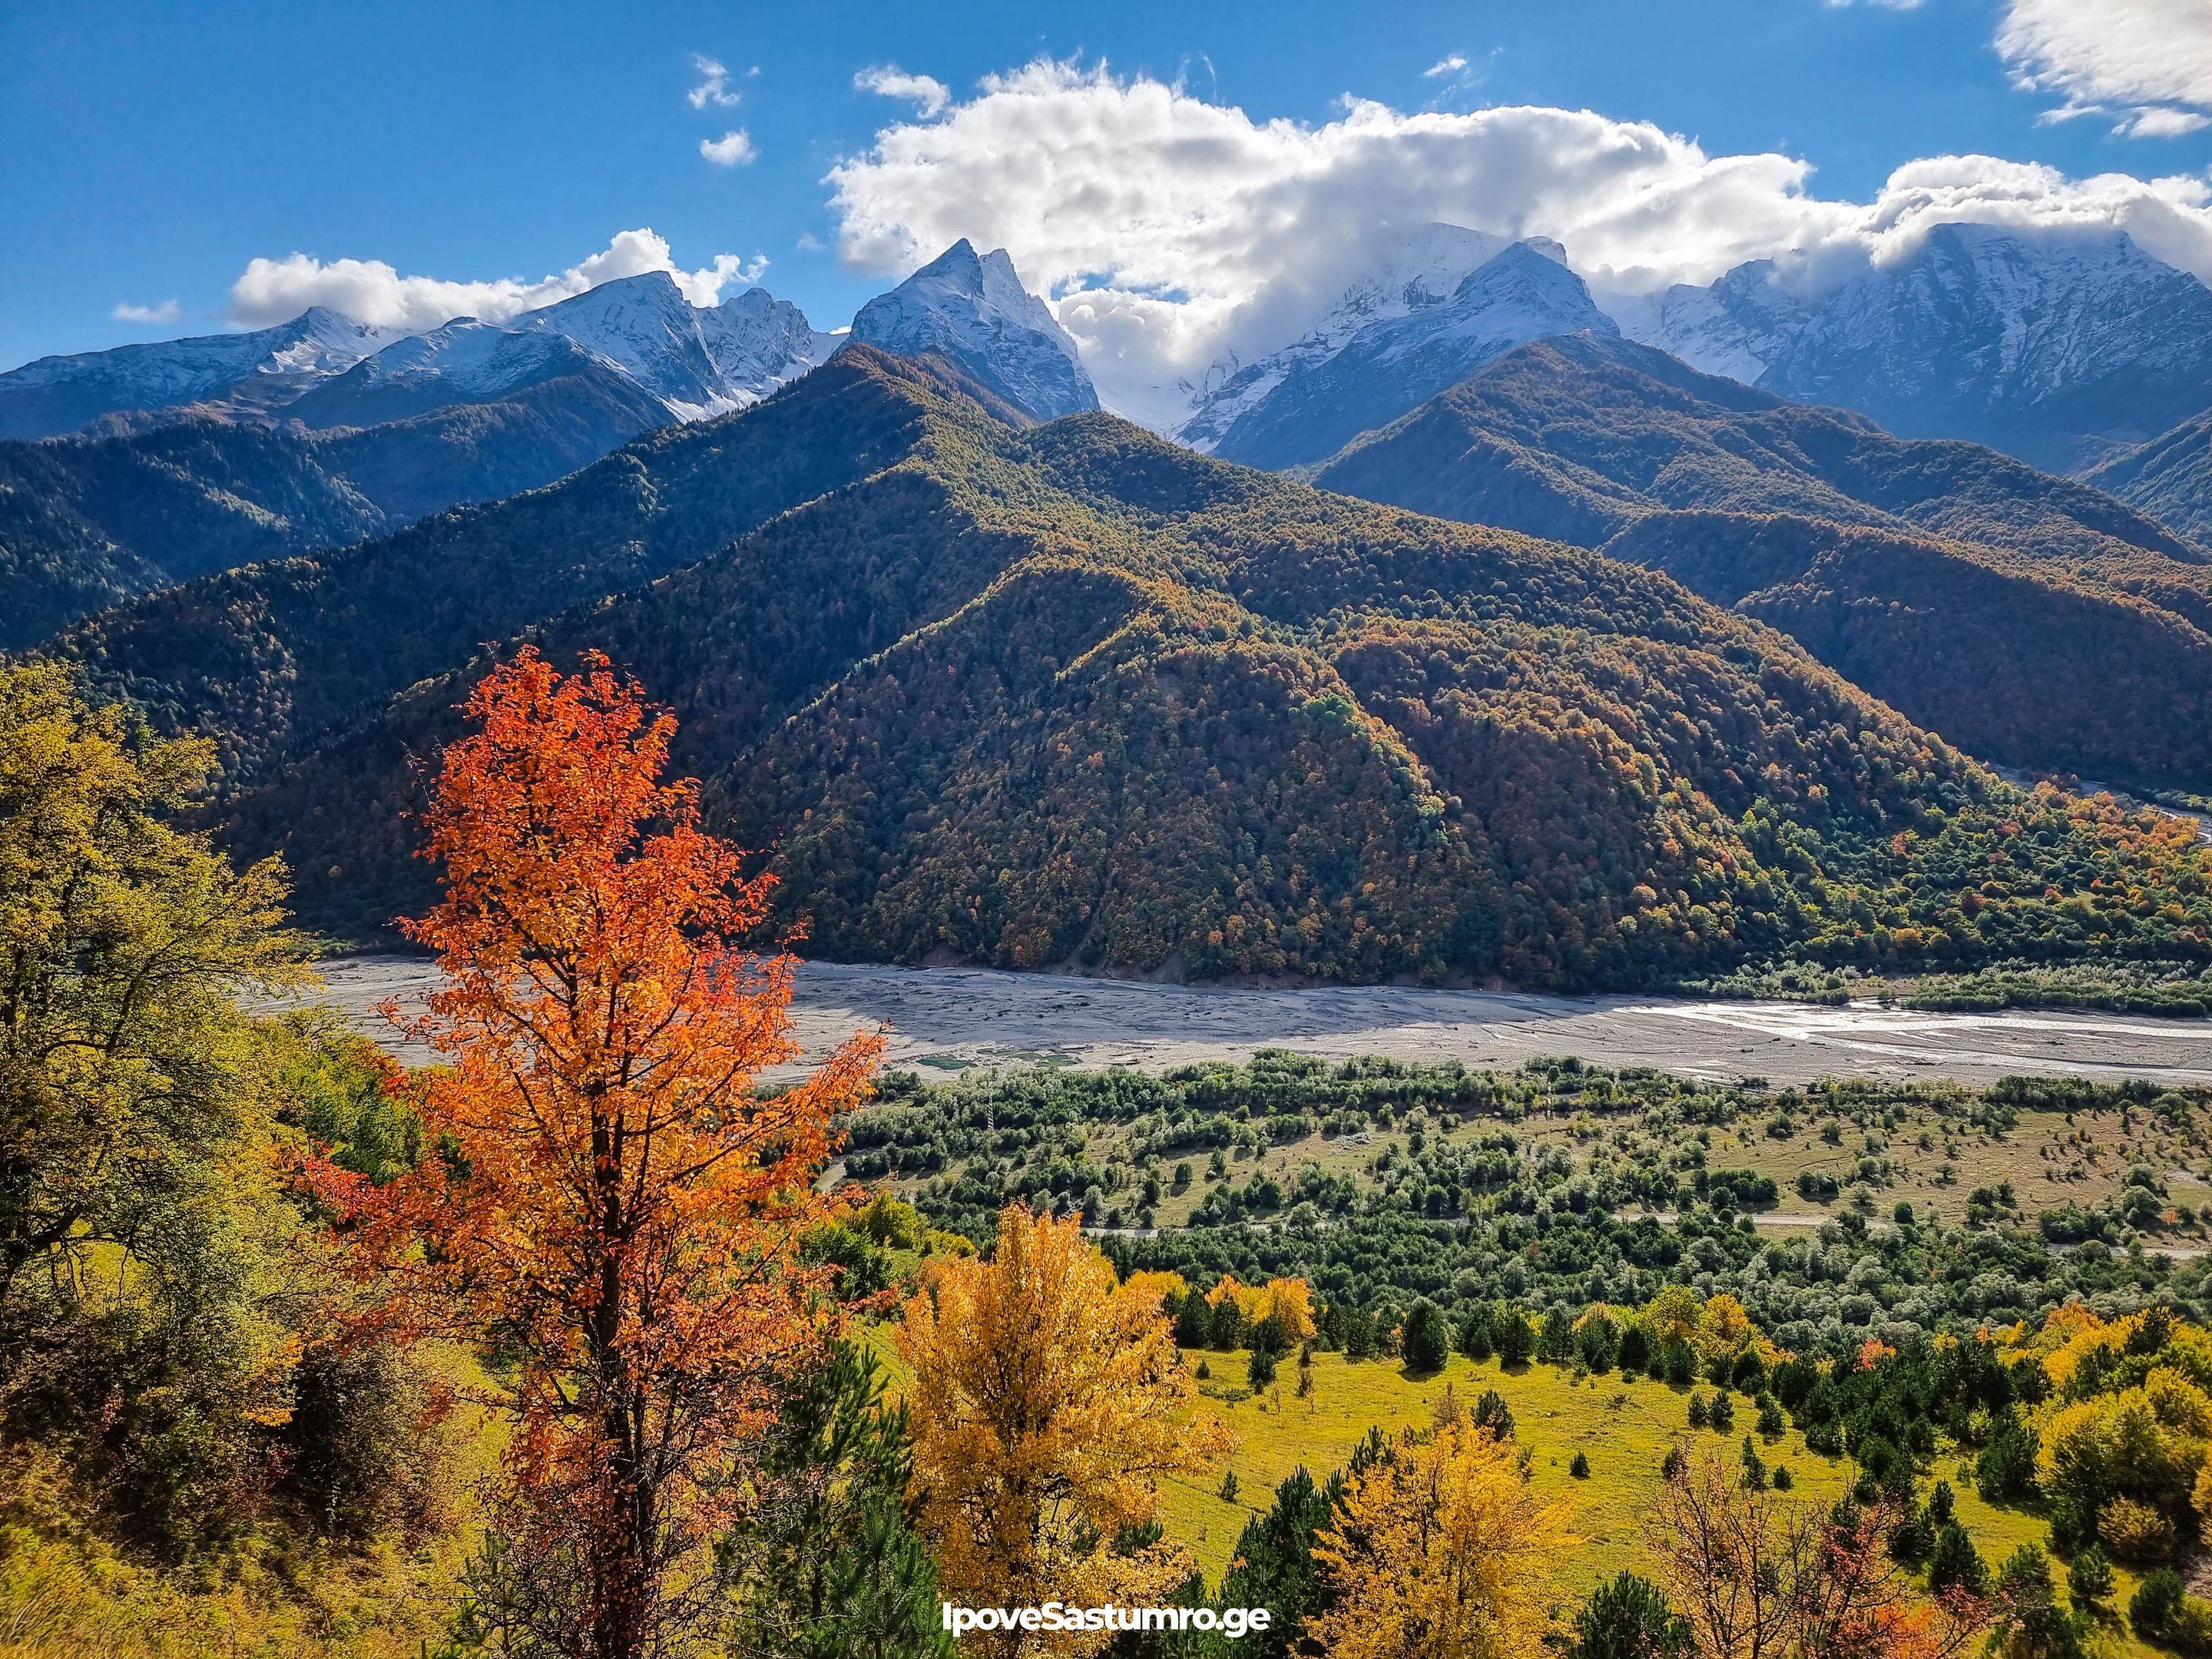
column 1629, row 1618
column 1956, row 1563
column 1259, row 1370
column 1580, row 1467
column 1492, row 1413
column 2089, row 1577
column 2135, row 1531
column 2156, row 1599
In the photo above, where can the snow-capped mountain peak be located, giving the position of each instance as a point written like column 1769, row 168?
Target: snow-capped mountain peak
column 1390, row 347
column 1735, row 326
column 972, row 309
column 249, row 372
column 1425, row 267
column 2058, row 346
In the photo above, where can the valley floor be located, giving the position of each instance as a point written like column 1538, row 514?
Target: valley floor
column 948, row 1019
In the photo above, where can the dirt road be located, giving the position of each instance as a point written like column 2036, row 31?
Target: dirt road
column 944, row 1019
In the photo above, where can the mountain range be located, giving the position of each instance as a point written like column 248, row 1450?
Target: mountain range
column 2034, row 619
column 2062, row 349
column 1489, row 641
column 207, row 453
column 983, row 689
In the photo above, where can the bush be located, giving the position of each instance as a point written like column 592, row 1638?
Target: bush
column 1580, row 1467
column 1259, row 1370
column 1492, row 1413
column 2152, row 1607
column 1629, row 1618
column 2135, row 1531
column 1696, row 1411
column 1720, row 1414
column 2089, row 1577
column 1956, row 1563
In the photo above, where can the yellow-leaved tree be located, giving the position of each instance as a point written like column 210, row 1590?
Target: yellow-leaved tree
column 1442, row 1553
column 1046, row 1401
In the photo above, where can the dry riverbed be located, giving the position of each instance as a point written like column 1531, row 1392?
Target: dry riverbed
column 944, row 1020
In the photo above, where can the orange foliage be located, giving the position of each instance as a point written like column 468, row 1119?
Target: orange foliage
column 608, row 1201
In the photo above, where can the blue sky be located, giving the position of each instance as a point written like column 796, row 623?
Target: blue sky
column 152, row 151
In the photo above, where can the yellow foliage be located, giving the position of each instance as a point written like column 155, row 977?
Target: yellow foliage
column 1672, row 1315
column 1047, row 1401
column 1444, row 1554
column 1290, row 1300
column 1158, row 1284
column 1722, row 1325
column 2135, row 1532
column 2177, row 1402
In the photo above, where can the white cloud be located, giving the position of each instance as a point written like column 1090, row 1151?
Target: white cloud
column 929, row 95
column 2145, row 65
column 734, row 148
column 714, row 86
column 1168, row 230
column 1451, row 65
column 373, row 292
column 167, row 312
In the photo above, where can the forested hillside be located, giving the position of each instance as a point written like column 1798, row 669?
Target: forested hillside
column 2033, row 620
column 89, row 522
column 2170, row 477
column 1071, row 694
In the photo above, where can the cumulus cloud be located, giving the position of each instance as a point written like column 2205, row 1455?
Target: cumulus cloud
column 734, row 148
column 714, row 86
column 167, row 312
column 2145, row 65
column 929, row 95
column 1168, row 230
column 1451, row 65
column 373, row 292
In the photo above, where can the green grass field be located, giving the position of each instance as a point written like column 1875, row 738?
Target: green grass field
column 1624, row 1428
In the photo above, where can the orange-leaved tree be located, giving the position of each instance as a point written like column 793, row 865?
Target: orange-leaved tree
column 611, row 1210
